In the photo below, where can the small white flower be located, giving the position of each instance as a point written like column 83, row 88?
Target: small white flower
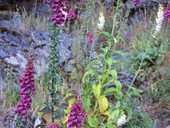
column 101, row 21
column 159, row 21
column 37, row 122
column 122, row 120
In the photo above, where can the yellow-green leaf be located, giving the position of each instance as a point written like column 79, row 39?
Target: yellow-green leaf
column 109, row 61
column 103, row 104
column 96, row 90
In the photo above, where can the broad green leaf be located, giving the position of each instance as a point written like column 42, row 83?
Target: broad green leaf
column 109, row 91
column 106, row 113
column 111, row 126
column 103, row 104
column 94, row 62
column 118, row 86
column 113, row 73
column 118, row 95
column 117, row 52
column 93, row 122
column 96, row 90
column 116, row 62
column 86, row 103
column 109, row 62
column 88, row 73
column 105, row 50
column 107, row 34
column 114, row 114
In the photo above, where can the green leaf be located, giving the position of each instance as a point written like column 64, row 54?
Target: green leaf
column 114, row 114
column 94, row 62
column 105, row 50
column 93, row 122
column 113, row 73
column 109, row 91
column 107, row 34
column 133, row 91
column 86, row 103
column 117, row 52
column 118, row 86
column 96, row 90
column 118, row 95
column 109, row 62
column 88, row 73
column 111, row 126
column 103, row 104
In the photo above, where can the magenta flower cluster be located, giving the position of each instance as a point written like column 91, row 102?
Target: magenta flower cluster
column 27, row 83
column 60, row 12
column 71, row 14
column 167, row 12
column 76, row 116
column 52, row 126
column 58, row 7
column 136, row 1
column 90, row 38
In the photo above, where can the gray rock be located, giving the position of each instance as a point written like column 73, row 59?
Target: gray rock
column 69, row 68
column 1, row 82
column 3, row 54
column 1, row 40
column 13, row 43
column 18, row 44
column 168, row 126
column 94, row 54
column 12, row 60
column 65, row 40
column 64, row 53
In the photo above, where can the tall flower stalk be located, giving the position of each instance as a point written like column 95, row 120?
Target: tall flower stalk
column 58, row 8
column 159, row 21
column 27, row 83
column 55, row 76
column 76, row 115
column 101, row 21
column 167, row 12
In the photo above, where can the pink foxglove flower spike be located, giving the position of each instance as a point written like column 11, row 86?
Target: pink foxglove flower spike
column 59, row 9
column 90, row 38
column 27, row 83
column 76, row 115
column 136, row 1
column 71, row 14
column 167, row 12
column 52, row 126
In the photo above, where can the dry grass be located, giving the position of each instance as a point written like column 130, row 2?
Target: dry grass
column 29, row 21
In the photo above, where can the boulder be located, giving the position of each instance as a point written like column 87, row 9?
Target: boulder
column 16, row 45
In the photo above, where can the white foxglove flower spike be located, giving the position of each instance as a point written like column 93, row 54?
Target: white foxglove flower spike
column 159, row 21
column 122, row 120
column 101, row 21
